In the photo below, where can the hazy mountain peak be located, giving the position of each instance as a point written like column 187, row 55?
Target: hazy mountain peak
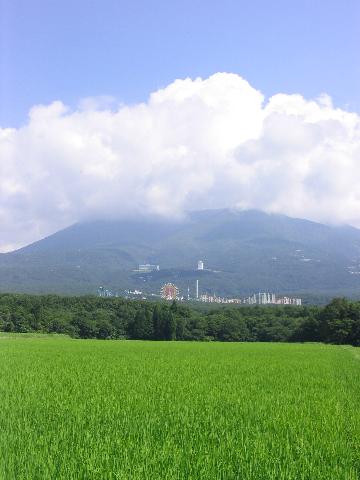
column 243, row 251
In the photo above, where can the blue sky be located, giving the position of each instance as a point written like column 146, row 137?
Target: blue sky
column 210, row 139
column 68, row 50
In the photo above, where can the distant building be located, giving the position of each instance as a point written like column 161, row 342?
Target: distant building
column 146, row 268
column 264, row 298
column 200, row 265
column 104, row 292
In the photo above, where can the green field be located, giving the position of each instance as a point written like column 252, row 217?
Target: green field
column 87, row 409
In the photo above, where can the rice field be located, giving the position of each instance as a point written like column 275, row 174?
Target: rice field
column 88, row 409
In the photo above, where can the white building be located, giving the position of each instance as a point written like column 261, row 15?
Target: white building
column 145, row 268
column 200, row 265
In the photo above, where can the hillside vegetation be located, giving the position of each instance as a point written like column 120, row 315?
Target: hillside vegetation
column 117, row 318
column 244, row 252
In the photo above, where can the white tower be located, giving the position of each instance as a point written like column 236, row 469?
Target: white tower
column 197, row 289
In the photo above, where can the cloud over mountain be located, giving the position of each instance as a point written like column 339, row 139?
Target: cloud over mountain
column 194, row 144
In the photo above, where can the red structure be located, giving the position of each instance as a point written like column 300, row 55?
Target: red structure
column 169, row 291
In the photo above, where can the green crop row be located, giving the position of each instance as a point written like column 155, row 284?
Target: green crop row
column 83, row 409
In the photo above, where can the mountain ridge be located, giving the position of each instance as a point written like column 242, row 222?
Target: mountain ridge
column 249, row 250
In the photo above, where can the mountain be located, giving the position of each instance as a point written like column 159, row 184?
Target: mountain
column 243, row 252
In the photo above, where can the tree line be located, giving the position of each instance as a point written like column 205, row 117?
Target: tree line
column 117, row 318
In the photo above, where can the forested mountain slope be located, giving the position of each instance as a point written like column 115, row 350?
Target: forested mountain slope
column 244, row 252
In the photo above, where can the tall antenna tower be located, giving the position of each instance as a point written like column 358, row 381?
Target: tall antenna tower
column 197, row 289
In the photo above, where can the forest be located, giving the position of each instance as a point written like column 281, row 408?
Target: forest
column 118, row 318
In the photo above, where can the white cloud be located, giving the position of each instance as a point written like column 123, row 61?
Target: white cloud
column 194, row 144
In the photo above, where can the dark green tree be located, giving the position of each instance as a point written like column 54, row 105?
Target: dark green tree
column 157, row 321
column 138, row 330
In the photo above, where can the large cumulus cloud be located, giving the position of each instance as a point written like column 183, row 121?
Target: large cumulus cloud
column 194, row 144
